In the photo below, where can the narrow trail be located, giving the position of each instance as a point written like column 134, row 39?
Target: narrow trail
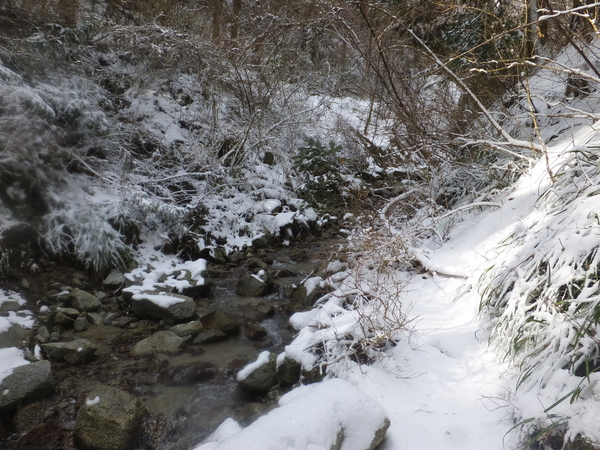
column 448, row 391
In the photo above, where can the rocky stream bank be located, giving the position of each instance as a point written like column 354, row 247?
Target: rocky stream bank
column 165, row 371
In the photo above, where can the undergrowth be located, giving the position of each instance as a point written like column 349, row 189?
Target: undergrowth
column 543, row 295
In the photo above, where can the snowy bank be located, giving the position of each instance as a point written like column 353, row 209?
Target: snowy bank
column 329, row 415
column 23, row 318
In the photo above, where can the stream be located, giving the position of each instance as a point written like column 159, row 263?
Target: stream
column 181, row 415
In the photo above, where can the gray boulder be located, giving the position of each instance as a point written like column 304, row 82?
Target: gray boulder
column 257, row 263
column 261, row 379
column 306, row 299
column 160, row 342
column 9, row 305
column 109, row 419
column 254, row 286
column 196, row 288
column 26, row 384
column 156, row 305
column 84, row 301
column 190, row 329
column 79, row 351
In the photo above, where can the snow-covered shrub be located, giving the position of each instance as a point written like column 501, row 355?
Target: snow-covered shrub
column 364, row 315
column 357, row 322
column 543, row 297
column 87, row 236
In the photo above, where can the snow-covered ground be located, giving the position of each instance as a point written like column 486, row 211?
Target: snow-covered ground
column 448, row 390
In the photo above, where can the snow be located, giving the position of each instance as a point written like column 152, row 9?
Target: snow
column 312, row 283
column 7, row 296
column 93, row 401
column 163, row 299
column 167, row 273
column 10, row 358
column 263, row 358
column 445, row 386
column 308, row 418
column 23, row 318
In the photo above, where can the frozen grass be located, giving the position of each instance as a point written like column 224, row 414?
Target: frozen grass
column 542, row 295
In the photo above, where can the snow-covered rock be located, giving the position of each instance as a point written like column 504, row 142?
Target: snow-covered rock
column 254, row 285
column 26, row 383
column 160, row 305
column 259, row 376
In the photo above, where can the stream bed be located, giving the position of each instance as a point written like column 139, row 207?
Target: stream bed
column 180, row 414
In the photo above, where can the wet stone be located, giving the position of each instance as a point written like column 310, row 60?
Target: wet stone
column 29, row 416
column 43, row 335
column 253, row 286
column 262, row 379
column 209, row 337
column 265, row 308
column 65, row 317
column 188, row 373
column 110, row 318
column 95, row 318
column 254, row 331
column 288, row 372
column 218, row 320
column 114, row 279
column 283, row 273
column 144, row 307
column 9, row 305
column 256, row 263
column 237, row 257
column 154, row 431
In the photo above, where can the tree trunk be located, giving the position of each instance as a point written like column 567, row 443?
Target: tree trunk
column 235, row 18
